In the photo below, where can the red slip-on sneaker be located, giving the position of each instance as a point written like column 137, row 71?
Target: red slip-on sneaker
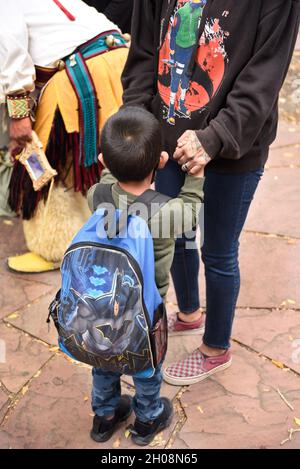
column 196, row 367
column 177, row 327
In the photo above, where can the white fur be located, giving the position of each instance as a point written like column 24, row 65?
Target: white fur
column 49, row 233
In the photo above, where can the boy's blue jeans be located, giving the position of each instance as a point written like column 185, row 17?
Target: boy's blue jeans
column 106, row 394
column 227, row 198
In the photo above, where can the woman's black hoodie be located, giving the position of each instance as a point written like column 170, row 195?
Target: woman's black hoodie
column 239, row 121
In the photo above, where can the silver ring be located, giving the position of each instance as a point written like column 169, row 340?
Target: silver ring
column 206, row 157
column 185, row 167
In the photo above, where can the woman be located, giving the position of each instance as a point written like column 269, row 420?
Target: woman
column 211, row 72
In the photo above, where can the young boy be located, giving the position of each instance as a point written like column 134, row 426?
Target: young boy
column 131, row 144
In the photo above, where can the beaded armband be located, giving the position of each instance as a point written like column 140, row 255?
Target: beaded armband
column 18, row 106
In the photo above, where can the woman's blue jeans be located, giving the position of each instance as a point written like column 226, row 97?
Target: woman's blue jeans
column 227, row 198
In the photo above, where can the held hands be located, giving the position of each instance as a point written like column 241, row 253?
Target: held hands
column 190, row 154
column 20, row 132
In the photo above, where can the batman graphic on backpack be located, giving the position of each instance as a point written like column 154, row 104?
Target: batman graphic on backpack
column 108, row 312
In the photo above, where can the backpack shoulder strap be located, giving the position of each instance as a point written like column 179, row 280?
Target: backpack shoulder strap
column 154, row 201
column 102, row 194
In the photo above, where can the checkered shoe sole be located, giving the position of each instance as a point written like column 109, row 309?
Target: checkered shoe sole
column 192, row 371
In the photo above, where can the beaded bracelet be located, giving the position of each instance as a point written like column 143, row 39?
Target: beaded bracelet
column 18, row 106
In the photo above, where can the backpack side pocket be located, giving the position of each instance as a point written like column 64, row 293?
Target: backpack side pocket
column 53, row 311
column 159, row 335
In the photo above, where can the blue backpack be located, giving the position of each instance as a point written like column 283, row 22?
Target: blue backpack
column 108, row 312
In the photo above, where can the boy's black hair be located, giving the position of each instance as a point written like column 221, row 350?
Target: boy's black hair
column 131, row 144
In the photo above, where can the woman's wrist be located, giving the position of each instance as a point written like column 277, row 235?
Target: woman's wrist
column 210, row 141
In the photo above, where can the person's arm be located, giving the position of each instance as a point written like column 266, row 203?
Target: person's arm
column 138, row 77
column 236, row 127
column 120, row 12
column 182, row 212
column 17, row 72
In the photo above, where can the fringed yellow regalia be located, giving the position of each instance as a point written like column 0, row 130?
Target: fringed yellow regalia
column 72, row 109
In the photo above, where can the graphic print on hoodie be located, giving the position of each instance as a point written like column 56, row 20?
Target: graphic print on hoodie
column 181, row 91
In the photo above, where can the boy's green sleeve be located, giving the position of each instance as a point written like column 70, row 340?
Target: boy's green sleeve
column 181, row 214
column 191, row 196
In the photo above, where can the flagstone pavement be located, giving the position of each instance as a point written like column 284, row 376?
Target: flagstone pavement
column 45, row 398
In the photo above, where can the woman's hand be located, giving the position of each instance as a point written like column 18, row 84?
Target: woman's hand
column 190, row 154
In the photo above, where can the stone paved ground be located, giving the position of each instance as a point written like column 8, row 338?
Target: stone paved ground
column 44, row 397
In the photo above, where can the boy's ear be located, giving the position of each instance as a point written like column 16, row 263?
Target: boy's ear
column 100, row 158
column 163, row 159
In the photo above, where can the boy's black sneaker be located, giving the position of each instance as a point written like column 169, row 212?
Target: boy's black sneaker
column 103, row 429
column 143, row 433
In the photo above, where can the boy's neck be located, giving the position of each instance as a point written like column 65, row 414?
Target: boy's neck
column 136, row 187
